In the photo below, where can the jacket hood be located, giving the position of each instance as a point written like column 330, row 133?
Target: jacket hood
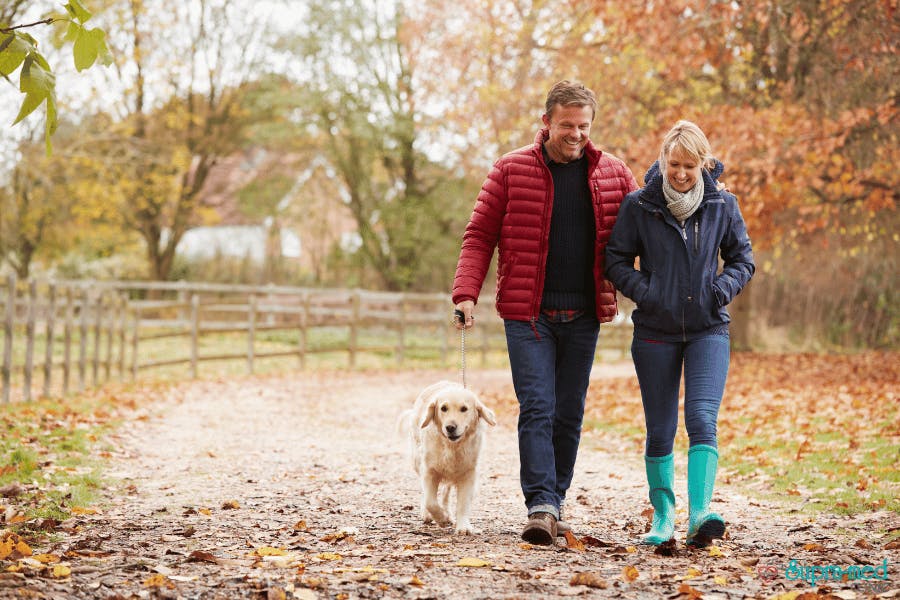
column 653, row 180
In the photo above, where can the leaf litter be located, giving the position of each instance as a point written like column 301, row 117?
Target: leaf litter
column 316, row 501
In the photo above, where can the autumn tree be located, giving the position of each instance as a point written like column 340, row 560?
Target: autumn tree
column 354, row 63
column 182, row 66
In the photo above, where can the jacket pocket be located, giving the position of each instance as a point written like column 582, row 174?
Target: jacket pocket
column 650, row 301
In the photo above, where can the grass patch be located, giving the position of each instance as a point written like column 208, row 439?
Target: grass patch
column 47, row 452
column 813, row 432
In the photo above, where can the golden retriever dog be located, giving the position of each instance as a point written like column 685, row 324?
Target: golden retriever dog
column 446, row 428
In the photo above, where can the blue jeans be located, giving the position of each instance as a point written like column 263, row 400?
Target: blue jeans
column 551, row 365
column 658, row 366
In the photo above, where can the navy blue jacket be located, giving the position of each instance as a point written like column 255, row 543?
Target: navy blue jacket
column 679, row 290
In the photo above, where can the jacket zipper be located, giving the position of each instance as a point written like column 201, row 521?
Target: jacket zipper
column 696, row 236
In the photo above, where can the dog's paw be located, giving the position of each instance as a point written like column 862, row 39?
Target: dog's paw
column 438, row 515
column 467, row 529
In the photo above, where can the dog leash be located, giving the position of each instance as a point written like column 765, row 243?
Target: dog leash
column 461, row 318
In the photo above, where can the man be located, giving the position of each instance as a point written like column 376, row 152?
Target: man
column 550, row 208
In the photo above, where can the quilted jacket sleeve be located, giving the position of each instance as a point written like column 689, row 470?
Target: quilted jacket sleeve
column 737, row 255
column 624, row 245
column 481, row 236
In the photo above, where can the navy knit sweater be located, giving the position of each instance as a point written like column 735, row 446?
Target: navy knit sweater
column 569, row 282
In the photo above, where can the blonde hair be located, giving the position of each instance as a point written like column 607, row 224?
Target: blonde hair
column 690, row 138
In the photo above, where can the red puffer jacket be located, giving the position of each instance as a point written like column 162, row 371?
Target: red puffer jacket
column 513, row 212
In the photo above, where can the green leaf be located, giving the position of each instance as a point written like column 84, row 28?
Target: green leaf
column 31, row 102
column 13, row 54
column 84, row 50
column 78, row 11
column 72, row 31
column 51, row 123
column 103, row 53
column 35, row 78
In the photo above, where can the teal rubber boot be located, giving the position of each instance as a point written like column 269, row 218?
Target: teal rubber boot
column 703, row 526
column 661, row 478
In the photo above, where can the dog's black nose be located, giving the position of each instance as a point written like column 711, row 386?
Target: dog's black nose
column 451, row 429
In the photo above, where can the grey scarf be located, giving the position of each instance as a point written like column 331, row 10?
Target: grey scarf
column 682, row 204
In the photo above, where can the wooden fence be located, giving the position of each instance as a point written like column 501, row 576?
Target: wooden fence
column 77, row 334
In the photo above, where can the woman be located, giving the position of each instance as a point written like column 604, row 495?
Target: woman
column 679, row 225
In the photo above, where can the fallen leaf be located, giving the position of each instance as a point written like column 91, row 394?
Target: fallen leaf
column 895, row 545
column 589, row 579
column 573, row 542
column 686, row 591
column 814, row 547
column 46, row 558
column 11, row 490
column 78, row 510
column 269, row 551
column 523, row 546
column 414, row 580
column 470, row 561
column 590, row 540
column 329, row 556
column 719, row 579
column 61, row 571
column 158, row 581
column 630, row 573
column 205, row 511
column 230, row 505
column 692, row 572
column 200, row 556
column 715, row 551
column 667, row 548
column 301, row 525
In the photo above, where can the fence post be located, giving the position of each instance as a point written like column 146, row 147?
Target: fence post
column 304, row 323
column 8, row 335
column 401, row 333
column 121, row 315
column 29, row 338
column 82, row 340
column 48, row 341
column 354, row 327
column 95, row 363
column 195, row 314
column 109, row 320
column 135, row 326
column 67, row 338
column 251, row 332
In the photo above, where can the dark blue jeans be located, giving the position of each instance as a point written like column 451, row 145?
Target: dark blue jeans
column 658, row 366
column 550, row 371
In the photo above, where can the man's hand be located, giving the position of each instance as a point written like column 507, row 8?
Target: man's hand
column 466, row 307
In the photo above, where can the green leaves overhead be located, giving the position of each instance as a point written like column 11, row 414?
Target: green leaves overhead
column 36, row 78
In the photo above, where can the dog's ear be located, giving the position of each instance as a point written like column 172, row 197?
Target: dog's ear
column 485, row 413
column 428, row 416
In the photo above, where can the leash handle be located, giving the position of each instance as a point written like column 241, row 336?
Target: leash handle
column 461, row 318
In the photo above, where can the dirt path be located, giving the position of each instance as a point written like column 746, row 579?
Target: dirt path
column 298, row 487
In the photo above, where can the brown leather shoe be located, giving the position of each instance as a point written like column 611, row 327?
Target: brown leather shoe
column 540, row 530
column 562, row 526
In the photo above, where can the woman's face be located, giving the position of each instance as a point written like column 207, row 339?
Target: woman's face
column 682, row 170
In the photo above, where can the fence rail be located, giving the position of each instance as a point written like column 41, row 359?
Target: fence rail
column 81, row 333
